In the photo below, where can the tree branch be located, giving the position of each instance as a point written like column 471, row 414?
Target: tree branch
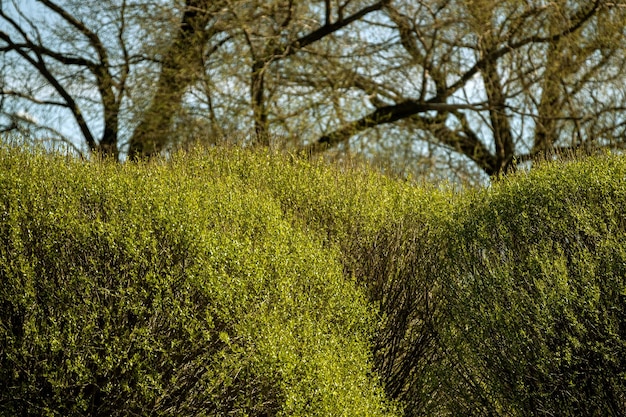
column 512, row 46
column 383, row 115
column 32, row 99
column 330, row 28
column 94, row 40
column 43, row 70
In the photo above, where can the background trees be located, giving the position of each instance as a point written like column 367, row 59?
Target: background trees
column 470, row 88
column 497, row 82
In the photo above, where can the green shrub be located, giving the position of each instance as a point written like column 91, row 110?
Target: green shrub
column 170, row 289
column 231, row 282
column 388, row 233
column 536, row 290
column 383, row 229
column 506, row 301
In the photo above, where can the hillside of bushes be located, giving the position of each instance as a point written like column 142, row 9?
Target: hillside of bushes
column 230, row 282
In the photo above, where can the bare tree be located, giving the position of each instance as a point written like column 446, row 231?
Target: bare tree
column 498, row 82
column 273, row 43
column 178, row 50
column 478, row 86
column 80, row 65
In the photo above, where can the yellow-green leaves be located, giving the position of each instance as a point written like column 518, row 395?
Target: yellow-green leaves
column 173, row 288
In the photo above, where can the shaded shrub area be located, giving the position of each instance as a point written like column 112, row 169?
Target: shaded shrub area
column 512, row 302
column 536, row 293
column 401, row 268
column 170, row 289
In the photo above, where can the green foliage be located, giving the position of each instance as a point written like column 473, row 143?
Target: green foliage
column 170, row 289
column 505, row 301
column 233, row 282
column 536, row 291
column 365, row 215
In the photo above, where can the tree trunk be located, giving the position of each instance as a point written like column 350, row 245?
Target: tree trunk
column 180, row 68
column 257, row 87
column 549, row 106
column 500, row 123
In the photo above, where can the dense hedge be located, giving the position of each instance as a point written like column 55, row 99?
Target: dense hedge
column 169, row 289
column 537, row 294
column 514, row 302
column 384, row 230
column 230, row 282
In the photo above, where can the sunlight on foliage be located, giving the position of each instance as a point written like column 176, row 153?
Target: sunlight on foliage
column 224, row 281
